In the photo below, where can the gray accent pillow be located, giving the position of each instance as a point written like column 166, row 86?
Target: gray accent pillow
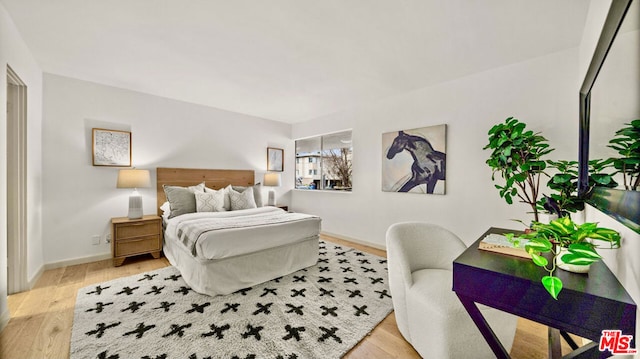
column 257, row 192
column 182, row 200
column 241, row 200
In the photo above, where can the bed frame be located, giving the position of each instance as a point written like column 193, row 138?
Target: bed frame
column 214, row 179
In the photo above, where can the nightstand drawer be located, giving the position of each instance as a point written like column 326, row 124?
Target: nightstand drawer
column 138, row 245
column 136, row 229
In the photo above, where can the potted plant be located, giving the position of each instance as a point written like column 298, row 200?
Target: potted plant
column 627, row 143
column 565, row 183
column 567, row 243
column 597, row 175
column 517, row 157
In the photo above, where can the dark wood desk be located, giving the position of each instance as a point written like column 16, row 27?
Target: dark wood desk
column 587, row 304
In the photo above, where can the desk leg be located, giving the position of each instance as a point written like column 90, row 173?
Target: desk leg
column 589, row 351
column 569, row 340
column 488, row 334
column 555, row 350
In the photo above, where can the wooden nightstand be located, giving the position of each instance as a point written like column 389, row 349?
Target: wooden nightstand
column 131, row 237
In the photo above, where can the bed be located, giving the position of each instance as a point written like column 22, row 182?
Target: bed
column 220, row 252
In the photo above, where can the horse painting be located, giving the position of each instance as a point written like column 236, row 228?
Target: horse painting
column 428, row 164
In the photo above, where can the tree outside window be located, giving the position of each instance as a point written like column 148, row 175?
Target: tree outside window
column 329, row 162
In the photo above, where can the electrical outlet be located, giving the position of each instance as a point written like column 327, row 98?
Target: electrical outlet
column 107, row 238
column 95, row 240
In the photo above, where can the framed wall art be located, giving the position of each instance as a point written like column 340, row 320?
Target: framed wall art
column 111, row 148
column 414, row 160
column 275, row 159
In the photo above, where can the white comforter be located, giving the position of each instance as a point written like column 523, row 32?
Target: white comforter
column 216, row 235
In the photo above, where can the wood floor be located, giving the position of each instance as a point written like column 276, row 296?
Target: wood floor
column 41, row 319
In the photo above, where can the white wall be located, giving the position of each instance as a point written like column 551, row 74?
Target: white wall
column 80, row 199
column 14, row 52
column 541, row 92
column 596, row 16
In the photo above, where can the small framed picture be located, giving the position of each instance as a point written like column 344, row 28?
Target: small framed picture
column 111, row 148
column 274, row 159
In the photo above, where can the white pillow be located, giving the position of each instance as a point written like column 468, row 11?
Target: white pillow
column 225, row 194
column 166, row 207
column 242, row 200
column 166, row 210
column 199, row 188
column 210, row 201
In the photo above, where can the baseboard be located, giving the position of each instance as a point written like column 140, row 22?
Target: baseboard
column 34, row 279
column 354, row 240
column 75, row 261
column 4, row 319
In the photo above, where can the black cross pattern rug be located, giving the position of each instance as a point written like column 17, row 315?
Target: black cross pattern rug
column 318, row 312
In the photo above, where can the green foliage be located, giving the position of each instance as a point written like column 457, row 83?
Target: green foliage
column 578, row 239
column 565, row 183
column 597, row 175
column 553, row 285
column 517, row 157
column 627, row 143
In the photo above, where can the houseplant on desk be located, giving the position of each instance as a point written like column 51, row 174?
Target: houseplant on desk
column 568, row 243
column 516, row 155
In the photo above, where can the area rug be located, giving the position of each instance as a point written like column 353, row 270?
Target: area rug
column 318, row 312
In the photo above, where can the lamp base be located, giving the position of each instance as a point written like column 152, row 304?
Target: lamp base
column 135, row 207
column 272, row 198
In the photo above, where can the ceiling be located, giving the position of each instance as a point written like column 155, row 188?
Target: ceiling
column 289, row 60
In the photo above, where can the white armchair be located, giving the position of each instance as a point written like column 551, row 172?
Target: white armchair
column 429, row 314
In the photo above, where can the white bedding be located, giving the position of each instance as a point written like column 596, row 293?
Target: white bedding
column 217, row 235
column 254, row 246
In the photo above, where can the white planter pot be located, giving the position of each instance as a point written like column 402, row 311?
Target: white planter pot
column 575, row 268
column 547, row 217
column 578, row 217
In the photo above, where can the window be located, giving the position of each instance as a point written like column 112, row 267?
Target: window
column 328, row 164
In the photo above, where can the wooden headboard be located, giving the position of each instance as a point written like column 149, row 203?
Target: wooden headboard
column 214, row 179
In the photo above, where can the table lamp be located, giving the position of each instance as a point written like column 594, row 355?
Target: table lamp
column 272, row 179
column 132, row 178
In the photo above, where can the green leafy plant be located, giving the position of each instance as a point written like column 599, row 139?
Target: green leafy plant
column 565, row 183
column 627, row 143
column 563, row 232
column 517, row 157
column 597, row 174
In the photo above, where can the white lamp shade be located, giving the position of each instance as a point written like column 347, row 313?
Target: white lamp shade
column 133, row 178
column 272, row 179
